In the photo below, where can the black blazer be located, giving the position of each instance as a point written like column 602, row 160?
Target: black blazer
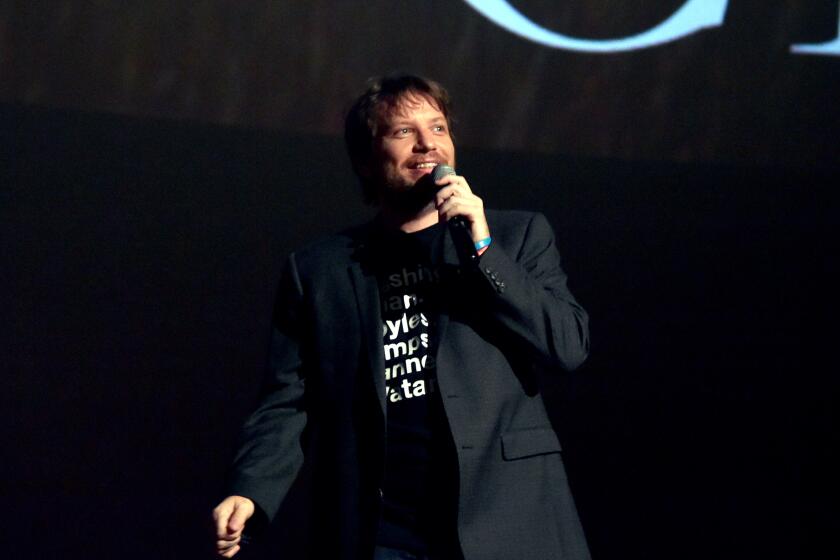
column 509, row 319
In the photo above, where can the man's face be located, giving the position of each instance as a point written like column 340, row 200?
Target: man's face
column 411, row 139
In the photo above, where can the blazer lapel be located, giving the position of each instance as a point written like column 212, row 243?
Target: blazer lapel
column 450, row 264
column 367, row 299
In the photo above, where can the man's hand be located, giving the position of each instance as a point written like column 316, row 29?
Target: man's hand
column 230, row 517
column 455, row 198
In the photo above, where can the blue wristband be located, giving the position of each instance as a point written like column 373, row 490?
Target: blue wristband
column 482, row 243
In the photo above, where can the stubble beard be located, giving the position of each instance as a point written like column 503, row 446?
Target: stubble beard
column 407, row 199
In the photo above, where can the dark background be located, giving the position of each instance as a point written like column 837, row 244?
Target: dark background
column 159, row 159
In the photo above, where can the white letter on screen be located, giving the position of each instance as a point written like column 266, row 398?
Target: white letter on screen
column 829, row 48
column 693, row 16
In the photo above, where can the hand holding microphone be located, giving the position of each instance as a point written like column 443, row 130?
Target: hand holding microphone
column 462, row 209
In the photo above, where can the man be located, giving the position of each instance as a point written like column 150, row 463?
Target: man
column 407, row 372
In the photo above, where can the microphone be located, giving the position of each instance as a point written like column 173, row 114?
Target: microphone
column 458, row 226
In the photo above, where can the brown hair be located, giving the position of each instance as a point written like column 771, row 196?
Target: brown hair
column 383, row 94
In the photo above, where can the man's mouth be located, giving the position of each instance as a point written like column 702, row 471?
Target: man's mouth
column 423, row 165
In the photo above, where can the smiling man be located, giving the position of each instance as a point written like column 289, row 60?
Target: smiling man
column 407, row 372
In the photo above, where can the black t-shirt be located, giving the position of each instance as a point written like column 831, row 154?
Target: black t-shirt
column 417, row 480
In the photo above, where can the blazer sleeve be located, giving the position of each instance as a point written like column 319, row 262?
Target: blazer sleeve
column 270, row 454
column 528, row 297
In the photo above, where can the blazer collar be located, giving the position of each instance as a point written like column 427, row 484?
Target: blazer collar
column 363, row 278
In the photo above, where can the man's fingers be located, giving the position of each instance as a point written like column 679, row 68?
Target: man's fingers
column 230, row 517
column 227, row 549
column 221, row 515
column 243, row 511
column 453, row 189
column 471, row 208
column 457, row 206
column 225, row 544
column 229, row 553
column 228, row 540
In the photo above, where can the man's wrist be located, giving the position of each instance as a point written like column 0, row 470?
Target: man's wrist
column 482, row 244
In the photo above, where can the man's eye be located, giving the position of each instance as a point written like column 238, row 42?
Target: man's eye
column 402, row 131
column 439, row 128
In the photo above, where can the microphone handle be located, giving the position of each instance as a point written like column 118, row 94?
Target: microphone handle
column 458, row 226
column 460, row 230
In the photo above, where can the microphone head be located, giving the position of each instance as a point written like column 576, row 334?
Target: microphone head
column 440, row 171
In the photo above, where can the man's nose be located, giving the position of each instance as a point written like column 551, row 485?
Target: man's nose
column 425, row 141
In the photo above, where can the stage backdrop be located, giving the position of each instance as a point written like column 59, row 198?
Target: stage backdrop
column 158, row 160
column 684, row 80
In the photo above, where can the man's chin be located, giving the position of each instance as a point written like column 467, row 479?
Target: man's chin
column 410, row 199
column 404, row 202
